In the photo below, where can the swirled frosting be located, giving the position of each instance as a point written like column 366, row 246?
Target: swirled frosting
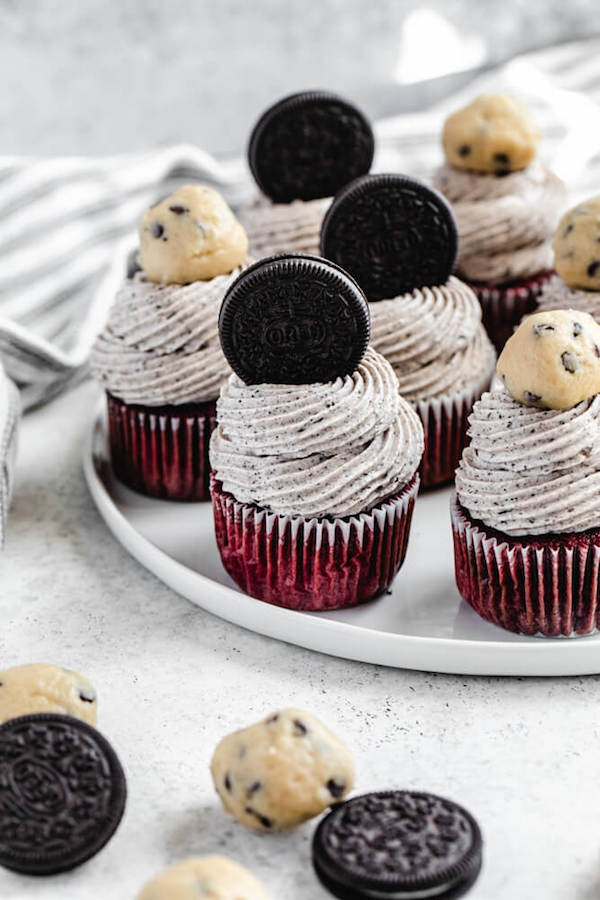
column 556, row 294
column 283, row 227
column 532, row 471
column 161, row 344
column 333, row 449
column 434, row 340
column 505, row 222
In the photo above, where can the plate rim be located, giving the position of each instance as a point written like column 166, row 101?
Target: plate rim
column 445, row 655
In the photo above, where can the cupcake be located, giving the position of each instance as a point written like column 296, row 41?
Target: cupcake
column 398, row 238
column 576, row 247
column 301, row 151
column 526, row 516
column 159, row 355
column 315, row 456
column 506, row 204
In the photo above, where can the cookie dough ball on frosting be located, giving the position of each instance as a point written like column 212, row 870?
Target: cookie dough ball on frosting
column 494, row 133
column 191, row 236
column 281, row 771
column 576, row 246
column 552, row 360
column 211, row 877
column 41, row 688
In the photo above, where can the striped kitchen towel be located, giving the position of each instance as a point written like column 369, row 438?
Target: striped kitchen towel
column 67, row 225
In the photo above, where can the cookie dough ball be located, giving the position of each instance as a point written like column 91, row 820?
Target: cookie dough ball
column 41, row 688
column 281, row 771
column 191, row 236
column 210, row 877
column 553, row 359
column 576, row 246
column 494, row 133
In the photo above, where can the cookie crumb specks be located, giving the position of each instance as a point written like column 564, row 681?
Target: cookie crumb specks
column 569, row 361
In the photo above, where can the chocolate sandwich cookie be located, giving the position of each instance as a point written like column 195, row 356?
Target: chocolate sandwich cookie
column 62, row 793
column 294, row 319
column 392, row 233
column 309, row 145
column 397, row 844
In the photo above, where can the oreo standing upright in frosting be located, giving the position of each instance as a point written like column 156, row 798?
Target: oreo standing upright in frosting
column 398, row 238
column 159, row 356
column 526, row 517
column 506, row 204
column 301, row 152
column 315, row 455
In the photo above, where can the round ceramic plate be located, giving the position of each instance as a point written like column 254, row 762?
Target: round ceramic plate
column 421, row 624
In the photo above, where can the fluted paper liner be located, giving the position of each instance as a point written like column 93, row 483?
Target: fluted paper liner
column 503, row 307
column 546, row 585
column 313, row 564
column 162, row 451
column 445, row 423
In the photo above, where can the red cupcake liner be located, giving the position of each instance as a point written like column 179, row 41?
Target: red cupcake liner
column 445, row 422
column 162, row 451
column 313, row 564
column 504, row 306
column 547, row 585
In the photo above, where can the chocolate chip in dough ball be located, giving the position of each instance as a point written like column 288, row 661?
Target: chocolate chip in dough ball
column 281, row 771
column 191, row 236
column 494, row 134
column 552, row 360
column 576, row 246
column 211, row 877
column 41, row 688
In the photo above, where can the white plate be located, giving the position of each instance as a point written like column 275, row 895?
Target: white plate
column 423, row 624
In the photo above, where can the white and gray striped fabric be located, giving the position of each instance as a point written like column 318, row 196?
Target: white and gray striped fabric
column 67, row 225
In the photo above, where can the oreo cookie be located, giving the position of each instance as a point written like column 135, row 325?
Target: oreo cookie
column 397, row 844
column 294, row 319
column 392, row 233
column 308, row 146
column 62, row 793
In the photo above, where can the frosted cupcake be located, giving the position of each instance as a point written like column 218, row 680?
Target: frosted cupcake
column 526, row 517
column 159, row 355
column 397, row 237
column 301, row 151
column 576, row 247
column 316, row 455
column 506, row 205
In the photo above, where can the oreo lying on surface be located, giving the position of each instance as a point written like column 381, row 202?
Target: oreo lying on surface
column 294, row 319
column 62, row 793
column 392, row 233
column 397, row 844
column 308, row 146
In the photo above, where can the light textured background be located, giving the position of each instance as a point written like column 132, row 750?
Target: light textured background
column 98, row 76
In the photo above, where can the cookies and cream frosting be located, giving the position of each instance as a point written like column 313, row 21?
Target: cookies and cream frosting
column 532, row 471
column 161, row 344
column 283, row 227
column 331, row 449
column 556, row 294
column 505, row 222
column 434, row 340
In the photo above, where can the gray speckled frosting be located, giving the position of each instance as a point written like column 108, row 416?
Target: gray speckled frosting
column 531, row 471
column 333, row 449
column 556, row 294
column 283, row 227
column 434, row 340
column 505, row 223
column 161, row 344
